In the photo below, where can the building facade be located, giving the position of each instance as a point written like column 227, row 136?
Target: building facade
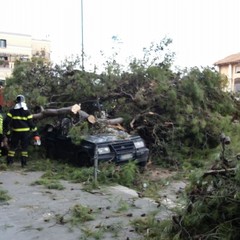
column 230, row 67
column 22, row 47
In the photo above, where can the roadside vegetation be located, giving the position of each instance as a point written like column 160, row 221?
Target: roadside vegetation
column 128, row 175
column 181, row 115
column 4, row 197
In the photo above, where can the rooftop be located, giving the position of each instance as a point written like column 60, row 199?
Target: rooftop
column 234, row 58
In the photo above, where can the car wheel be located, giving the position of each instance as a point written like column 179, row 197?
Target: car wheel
column 142, row 166
column 84, row 160
column 50, row 152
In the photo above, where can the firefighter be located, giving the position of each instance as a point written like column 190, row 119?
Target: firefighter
column 19, row 121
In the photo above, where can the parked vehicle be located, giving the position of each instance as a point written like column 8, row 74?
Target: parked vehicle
column 118, row 148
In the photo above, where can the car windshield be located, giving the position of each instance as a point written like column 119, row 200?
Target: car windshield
column 107, row 137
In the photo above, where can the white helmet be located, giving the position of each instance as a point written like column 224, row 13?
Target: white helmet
column 20, row 99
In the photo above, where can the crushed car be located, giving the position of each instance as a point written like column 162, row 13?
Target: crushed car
column 117, row 147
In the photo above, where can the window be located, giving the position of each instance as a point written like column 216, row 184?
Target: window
column 24, row 58
column 237, row 85
column 3, row 43
column 2, row 83
column 237, row 68
column 3, row 58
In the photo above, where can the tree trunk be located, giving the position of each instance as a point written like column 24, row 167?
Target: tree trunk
column 75, row 109
column 44, row 113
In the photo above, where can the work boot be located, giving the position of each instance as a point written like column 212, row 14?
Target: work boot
column 23, row 161
column 9, row 161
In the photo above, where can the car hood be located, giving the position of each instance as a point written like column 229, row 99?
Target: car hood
column 101, row 138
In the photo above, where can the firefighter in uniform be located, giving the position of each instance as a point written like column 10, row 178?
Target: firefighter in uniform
column 19, row 121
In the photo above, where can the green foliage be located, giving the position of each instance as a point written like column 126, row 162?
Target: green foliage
column 44, row 84
column 149, row 227
column 3, row 166
column 82, row 175
column 212, row 210
column 49, row 183
column 179, row 114
column 4, row 196
column 176, row 113
column 193, row 91
column 81, row 214
column 125, row 174
column 108, row 173
column 92, row 234
column 123, row 206
column 39, row 164
column 78, row 132
column 128, row 174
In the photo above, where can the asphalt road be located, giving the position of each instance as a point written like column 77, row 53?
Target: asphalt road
column 34, row 212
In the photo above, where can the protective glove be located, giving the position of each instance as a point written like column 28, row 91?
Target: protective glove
column 36, row 140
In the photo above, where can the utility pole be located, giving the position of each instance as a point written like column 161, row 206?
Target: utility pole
column 82, row 35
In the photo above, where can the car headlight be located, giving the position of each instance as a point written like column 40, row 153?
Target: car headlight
column 139, row 144
column 103, row 150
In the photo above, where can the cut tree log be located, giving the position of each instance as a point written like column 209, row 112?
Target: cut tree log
column 219, row 171
column 75, row 109
column 114, row 121
column 44, row 113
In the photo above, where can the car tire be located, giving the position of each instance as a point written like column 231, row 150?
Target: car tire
column 83, row 160
column 50, row 152
column 142, row 166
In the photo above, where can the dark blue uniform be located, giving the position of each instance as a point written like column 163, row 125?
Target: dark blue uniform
column 19, row 121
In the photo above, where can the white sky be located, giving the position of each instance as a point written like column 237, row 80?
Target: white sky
column 203, row 31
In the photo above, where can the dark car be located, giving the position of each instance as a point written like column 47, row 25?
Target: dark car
column 118, row 148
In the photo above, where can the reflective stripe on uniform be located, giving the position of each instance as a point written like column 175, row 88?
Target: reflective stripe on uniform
column 34, row 129
column 24, row 154
column 11, row 153
column 20, row 118
column 21, row 129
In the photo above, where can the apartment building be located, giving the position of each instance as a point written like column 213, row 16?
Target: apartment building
column 14, row 46
column 230, row 67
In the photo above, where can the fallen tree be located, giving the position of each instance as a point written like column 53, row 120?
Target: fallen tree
column 75, row 109
column 44, row 113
